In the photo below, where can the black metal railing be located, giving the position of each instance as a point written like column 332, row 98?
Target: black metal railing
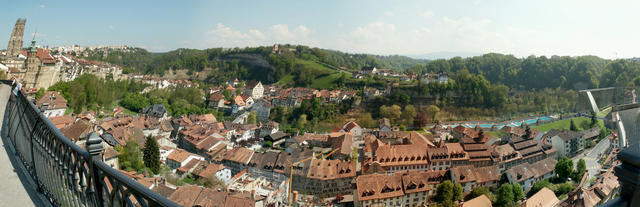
column 65, row 173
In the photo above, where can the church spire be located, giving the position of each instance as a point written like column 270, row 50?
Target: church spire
column 33, row 47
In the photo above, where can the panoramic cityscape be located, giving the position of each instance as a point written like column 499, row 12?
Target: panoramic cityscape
column 264, row 105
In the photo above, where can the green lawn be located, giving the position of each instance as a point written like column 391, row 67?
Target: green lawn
column 565, row 124
column 324, row 76
column 325, row 81
column 287, row 79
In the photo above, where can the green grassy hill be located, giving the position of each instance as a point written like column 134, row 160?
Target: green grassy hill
column 324, row 77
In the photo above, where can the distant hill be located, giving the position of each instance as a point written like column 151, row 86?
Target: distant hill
column 297, row 65
column 256, row 63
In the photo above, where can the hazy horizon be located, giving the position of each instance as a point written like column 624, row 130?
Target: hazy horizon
column 411, row 28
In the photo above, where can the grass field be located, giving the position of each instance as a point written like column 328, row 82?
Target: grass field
column 566, row 124
column 324, row 76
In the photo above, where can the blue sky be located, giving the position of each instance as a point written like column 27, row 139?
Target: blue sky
column 572, row 27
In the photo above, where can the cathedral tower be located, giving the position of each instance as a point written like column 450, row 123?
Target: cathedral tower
column 15, row 42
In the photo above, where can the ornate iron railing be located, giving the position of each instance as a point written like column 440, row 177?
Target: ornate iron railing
column 65, row 173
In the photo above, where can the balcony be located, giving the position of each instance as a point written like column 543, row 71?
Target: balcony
column 41, row 167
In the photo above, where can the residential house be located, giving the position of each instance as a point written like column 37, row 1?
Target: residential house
column 157, row 111
column 527, row 174
column 405, row 188
column 369, row 70
column 353, row 128
column 254, row 89
column 326, row 177
column 385, row 125
column 179, row 158
column 262, row 164
column 110, row 157
column 262, row 108
column 568, row 143
column 471, row 177
column 543, row 198
column 220, row 172
column 52, row 104
column 237, row 159
column 216, row 100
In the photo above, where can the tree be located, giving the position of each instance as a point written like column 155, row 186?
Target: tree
column 391, row 112
column 564, row 167
column 302, row 122
column 482, row 190
column 457, row 192
column 505, row 195
column 420, row 120
column 135, row 102
column 594, row 119
column 251, row 118
column 408, row 114
column 444, row 191
column 581, row 168
column 573, row 126
column 518, row 192
column 130, row 158
column 39, row 93
column 539, row 185
column 433, row 112
column 151, row 155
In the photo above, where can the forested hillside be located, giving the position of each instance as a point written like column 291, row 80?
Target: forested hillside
column 294, row 62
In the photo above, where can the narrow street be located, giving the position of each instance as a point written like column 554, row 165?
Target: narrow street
column 592, row 157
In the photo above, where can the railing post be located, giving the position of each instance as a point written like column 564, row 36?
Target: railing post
column 628, row 174
column 33, row 159
column 94, row 147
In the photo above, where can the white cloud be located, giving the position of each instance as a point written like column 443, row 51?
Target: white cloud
column 225, row 36
column 446, row 34
column 111, row 27
column 427, row 13
column 42, row 6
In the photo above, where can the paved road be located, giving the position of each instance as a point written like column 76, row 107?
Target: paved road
column 17, row 189
column 592, row 157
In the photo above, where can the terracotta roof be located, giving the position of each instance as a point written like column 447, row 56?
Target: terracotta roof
column 264, row 161
column 469, row 173
column 109, row 153
column 51, row 100
column 217, row 96
column 179, row 155
column 164, row 190
column 350, row 125
column 78, row 130
column 543, row 167
column 480, row 201
column 61, row 121
column 239, row 155
column 379, row 186
column 401, row 155
column 186, row 195
column 415, row 181
column 239, row 200
column 252, row 84
column 210, row 170
column 543, row 198
column 330, row 169
column 210, row 198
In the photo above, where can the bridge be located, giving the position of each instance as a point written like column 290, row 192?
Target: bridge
column 41, row 167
